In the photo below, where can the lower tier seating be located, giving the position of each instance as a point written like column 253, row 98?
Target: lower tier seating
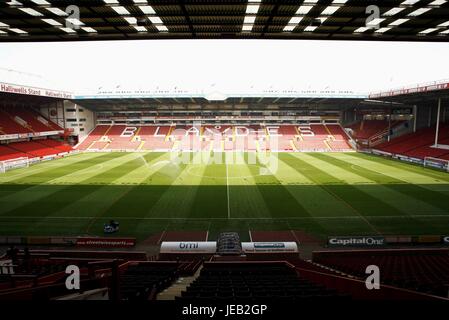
column 33, row 149
column 419, row 144
column 8, row 153
column 129, row 275
column 423, row 271
column 314, row 137
column 250, row 281
column 140, row 280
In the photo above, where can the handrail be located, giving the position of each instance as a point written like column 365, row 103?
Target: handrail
column 356, row 285
column 412, row 86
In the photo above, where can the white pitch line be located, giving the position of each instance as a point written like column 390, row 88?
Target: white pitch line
column 291, row 231
column 235, row 218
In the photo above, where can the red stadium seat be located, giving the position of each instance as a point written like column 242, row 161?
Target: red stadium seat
column 316, row 137
column 419, row 144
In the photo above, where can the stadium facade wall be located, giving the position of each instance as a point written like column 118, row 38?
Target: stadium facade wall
column 78, row 118
column 427, row 114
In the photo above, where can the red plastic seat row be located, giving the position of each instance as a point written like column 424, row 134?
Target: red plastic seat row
column 24, row 120
column 419, row 144
column 30, row 149
column 314, row 137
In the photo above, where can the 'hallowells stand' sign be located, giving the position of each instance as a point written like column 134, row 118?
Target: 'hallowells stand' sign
column 18, row 89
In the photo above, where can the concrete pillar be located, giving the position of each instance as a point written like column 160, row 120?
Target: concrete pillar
column 438, row 122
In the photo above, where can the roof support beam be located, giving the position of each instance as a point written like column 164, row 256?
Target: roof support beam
column 187, row 17
column 270, row 18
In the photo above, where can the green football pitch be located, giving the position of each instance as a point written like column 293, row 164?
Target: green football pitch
column 319, row 193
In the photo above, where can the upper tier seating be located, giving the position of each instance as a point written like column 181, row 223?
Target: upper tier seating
column 32, row 118
column 24, row 120
column 9, row 126
column 419, row 144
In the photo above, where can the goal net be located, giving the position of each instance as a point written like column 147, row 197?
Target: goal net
column 436, row 163
column 14, row 164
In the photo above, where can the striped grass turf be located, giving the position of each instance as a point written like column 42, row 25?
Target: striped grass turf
column 320, row 193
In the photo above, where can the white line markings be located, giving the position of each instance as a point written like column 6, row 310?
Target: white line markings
column 235, row 218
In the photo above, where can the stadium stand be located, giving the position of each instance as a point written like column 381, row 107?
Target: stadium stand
column 143, row 280
column 248, row 281
column 423, row 270
column 366, row 129
column 8, row 153
column 20, row 123
column 33, row 149
column 419, row 144
column 36, row 122
column 315, row 137
column 24, row 120
column 120, row 140
column 39, row 148
column 129, row 275
column 8, row 125
column 58, row 145
column 95, row 135
column 155, row 138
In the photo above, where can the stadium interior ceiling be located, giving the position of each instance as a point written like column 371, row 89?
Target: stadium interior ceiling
column 236, row 103
column 39, row 20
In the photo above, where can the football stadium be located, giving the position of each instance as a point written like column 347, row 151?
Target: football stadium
column 116, row 186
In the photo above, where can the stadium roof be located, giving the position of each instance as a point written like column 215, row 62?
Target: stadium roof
column 46, row 20
column 423, row 92
column 229, row 103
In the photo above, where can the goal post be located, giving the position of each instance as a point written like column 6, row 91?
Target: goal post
column 6, row 165
column 436, row 163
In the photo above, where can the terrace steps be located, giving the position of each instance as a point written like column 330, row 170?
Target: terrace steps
column 179, row 286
